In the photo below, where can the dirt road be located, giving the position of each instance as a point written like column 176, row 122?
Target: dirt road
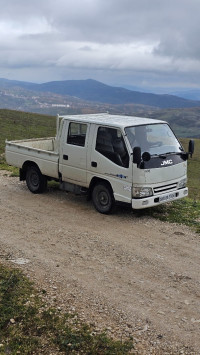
column 137, row 277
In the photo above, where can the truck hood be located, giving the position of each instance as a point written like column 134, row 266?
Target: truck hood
column 163, row 174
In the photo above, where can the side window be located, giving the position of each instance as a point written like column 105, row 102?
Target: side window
column 110, row 143
column 76, row 134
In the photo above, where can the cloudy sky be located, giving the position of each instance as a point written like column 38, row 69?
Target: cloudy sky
column 144, row 43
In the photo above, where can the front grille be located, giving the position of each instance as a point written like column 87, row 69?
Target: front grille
column 165, row 188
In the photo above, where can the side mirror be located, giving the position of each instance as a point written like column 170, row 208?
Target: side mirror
column 191, row 147
column 137, row 155
column 146, row 156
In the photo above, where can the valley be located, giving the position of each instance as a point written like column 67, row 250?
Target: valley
column 89, row 96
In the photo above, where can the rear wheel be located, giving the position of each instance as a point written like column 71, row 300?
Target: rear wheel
column 36, row 182
column 102, row 198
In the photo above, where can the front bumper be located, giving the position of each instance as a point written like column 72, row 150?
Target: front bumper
column 139, row 203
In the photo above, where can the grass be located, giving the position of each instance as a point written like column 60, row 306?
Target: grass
column 28, row 326
column 185, row 211
column 18, row 125
column 193, row 170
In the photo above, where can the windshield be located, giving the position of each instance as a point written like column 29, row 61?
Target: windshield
column 155, row 139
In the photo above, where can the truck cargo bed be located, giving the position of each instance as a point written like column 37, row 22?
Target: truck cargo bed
column 41, row 151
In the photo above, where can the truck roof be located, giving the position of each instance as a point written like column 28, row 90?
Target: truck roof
column 106, row 119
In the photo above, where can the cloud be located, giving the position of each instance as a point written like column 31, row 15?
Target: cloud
column 125, row 40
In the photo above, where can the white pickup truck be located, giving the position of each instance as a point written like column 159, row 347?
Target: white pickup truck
column 108, row 157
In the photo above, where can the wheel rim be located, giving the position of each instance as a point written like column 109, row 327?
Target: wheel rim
column 34, row 179
column 103, row 198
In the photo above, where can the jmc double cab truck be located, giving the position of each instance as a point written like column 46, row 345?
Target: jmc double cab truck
column 108, row 157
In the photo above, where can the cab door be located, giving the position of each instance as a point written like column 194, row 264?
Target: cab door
column 110, row 160
column 73, row 159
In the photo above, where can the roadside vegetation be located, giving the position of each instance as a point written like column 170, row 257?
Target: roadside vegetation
column 187, row 210
column 18, row 125
column 29, row 326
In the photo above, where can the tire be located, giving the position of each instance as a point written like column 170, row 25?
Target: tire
column 102, row 198
column 36, row 182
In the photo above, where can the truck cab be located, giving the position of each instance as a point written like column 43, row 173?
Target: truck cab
column 119, row 158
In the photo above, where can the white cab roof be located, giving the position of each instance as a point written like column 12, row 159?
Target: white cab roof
column 106, row 119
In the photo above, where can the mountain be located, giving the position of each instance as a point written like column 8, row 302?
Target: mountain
column 193, row 94
column 95, row 91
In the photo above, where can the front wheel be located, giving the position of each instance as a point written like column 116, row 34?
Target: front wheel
column 35, row 181
column 102, row 198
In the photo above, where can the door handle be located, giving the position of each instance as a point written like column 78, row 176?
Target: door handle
column 65, row 157
column 94, row 164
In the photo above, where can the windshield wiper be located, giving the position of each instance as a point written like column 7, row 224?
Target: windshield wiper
column 159, row 155
column 164, row 155
column 178, row 153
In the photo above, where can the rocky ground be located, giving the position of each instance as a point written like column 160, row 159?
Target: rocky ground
column 134, row 276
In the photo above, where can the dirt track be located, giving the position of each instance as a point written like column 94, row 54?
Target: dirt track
column 134, row 276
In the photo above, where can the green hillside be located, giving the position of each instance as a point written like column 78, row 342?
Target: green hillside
column 185, row 122
column 18, row 125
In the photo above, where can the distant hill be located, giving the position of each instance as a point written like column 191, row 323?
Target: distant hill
column 95, row 91
column 193, row 94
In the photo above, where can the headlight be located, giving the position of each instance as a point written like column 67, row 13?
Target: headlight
column 139, row 192
column 182, row 183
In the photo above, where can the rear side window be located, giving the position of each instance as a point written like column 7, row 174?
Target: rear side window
column 77, row 134
column 110, row 143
